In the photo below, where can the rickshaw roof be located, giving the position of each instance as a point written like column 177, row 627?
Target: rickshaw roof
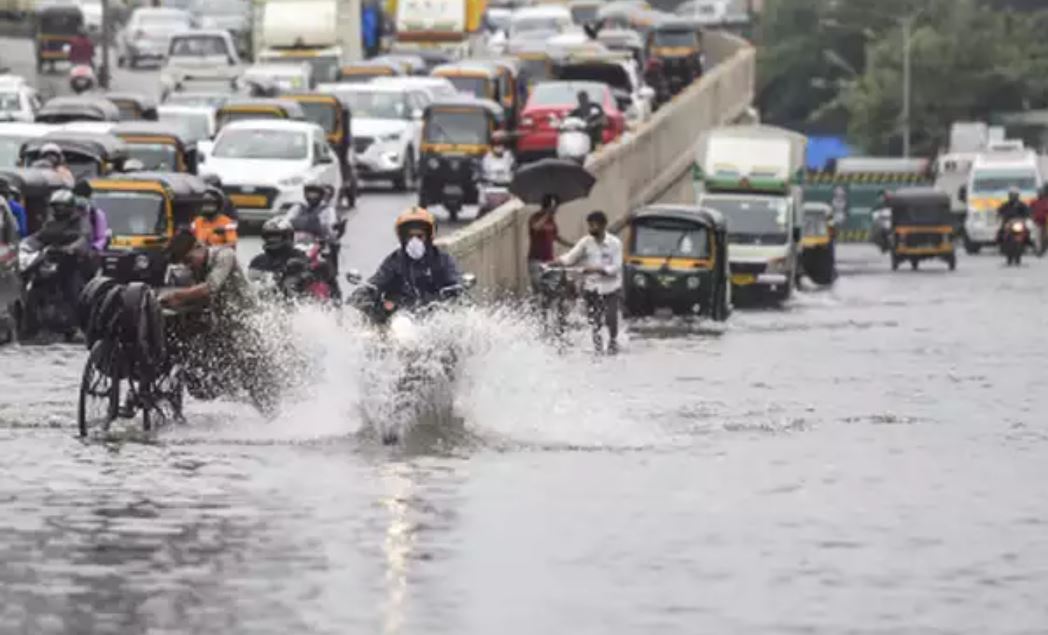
column 57, row 9
column 104, row 146
column 144, row 102
column 291, row 107
column 486, row 67
column 412, row 60
column 98, row 108
column 918, row 196
column 676, row 23
column 389, row 64
column 621, row 37
column 492, row 108
column 182, row 186
column 920, row 206
column 687, row 213
column 314, row 98
column 151, row 129
column 29, row 179
column 818, row 207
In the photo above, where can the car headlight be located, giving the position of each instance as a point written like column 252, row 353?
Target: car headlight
column 292, row 181
column 389, row 138
column 141, row 262
column 777, row 266
column 693, row 282
column 640, row 280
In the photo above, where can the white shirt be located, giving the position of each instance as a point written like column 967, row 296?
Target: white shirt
column 607, row 255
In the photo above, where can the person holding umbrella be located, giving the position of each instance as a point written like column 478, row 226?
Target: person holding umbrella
column 543, row 234
column 600, row 254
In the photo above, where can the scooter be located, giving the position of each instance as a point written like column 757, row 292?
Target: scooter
column 82, row 78
column 495, row 177
column 1015, row 236
column 43, row 303
column 573, row 139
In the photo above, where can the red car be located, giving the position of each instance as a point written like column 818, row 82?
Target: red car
column 551, row 101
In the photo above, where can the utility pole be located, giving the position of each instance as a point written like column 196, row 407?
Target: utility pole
column 103, row 75
column 907, row 37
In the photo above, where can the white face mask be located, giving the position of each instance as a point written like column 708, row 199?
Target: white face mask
column 415, row 248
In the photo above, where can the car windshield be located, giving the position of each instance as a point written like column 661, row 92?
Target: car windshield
column 10, row 101
column 997, row 181
column 322, row 114
column 155, row 156
column 675, row 38
column 377, row 104
column 753, row 220
column 476, row 86
column 132, row 213
column 229, row 116
column 282, row 145
column 564, row 94
column 457, row 126
column 60, row 23
column 199, row 46
column 815, row 224
column 194, row 126
column 9, row 147
column 669, row 238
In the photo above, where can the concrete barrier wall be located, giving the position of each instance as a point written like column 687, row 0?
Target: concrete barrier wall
column 644, row 166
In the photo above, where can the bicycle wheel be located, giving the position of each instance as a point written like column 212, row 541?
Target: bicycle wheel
column 99, row 400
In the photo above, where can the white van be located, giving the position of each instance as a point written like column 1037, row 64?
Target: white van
column 990, row 179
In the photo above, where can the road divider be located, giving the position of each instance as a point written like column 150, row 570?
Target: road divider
column 644, row 166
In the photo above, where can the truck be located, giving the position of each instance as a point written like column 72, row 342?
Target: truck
column 991, row 177
column 750, row 174
column 448, row 24
column 323, row 33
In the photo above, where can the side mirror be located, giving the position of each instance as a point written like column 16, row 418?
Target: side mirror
column 796, row 234
column 354, row 277
column 962, row 193
column 469, row 280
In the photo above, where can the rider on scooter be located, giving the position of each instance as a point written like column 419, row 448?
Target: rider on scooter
column 64, row 230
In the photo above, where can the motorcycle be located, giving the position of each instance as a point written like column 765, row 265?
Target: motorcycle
column 495, row 177
column 573, row 139
column 43, row 303
column 425, row 368
column 82, row 78
column 1015, row 236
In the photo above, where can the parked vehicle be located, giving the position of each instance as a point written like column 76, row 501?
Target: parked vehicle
column 547, row 106
column 146, row 35
column 921, row 227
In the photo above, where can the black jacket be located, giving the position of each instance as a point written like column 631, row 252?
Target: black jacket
column 276, row 262
column 1012, row 209
column 62, row 233
column 412, row 283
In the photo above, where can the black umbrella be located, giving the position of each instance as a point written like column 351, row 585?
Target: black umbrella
column 566, row 180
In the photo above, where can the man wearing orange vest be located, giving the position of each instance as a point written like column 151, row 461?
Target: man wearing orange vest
column 212, row 227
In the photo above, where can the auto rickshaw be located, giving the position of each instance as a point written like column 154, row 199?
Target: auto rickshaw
column 410, row 63
column 56, row 26
column 676, row 262
column 330, row 113
column 536, row 65
column 922, row 226
column 478, row 78
column 364, row 71
column 818, row 255
column 676, row 44
column 241, row 109
column 144, row 210
column 134, row 107
column 87, row 155
column 79, row 108
column 512, row 93
column 456, row 134
column 626, row 41
column 33, row 187
column 159, row 146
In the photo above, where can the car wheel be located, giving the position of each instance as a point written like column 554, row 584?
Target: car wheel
column 406, row 180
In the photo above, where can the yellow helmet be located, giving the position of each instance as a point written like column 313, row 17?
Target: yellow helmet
column 416, row 216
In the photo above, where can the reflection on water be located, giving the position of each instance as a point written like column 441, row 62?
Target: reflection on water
column 869, row 459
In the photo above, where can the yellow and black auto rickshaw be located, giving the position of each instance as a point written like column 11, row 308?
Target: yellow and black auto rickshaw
column 33, row 187
column 456, row 134
column 258, row 108
column 818, row 255
column 134, row 107
column 160, row 147
column 676, row 262
column 512, row 94
column 366, row 70
column 676, row 44
column 88, row 155
column 144, row 210
column 536, row 65
column 478, row 78
column 922, row 226
column 330, row 113
column 56, row 26
column 69, row 109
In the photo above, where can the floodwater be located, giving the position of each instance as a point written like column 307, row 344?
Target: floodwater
column 870, row 459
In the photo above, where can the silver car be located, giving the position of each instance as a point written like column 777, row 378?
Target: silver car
column 146, row 35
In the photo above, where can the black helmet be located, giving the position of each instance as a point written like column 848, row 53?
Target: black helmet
column 212, row 180
column 212, row 203
column 277, row 234
column 83, row 188
column 314, row 193
column 62, row 204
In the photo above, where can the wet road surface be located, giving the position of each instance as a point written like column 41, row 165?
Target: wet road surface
column 868, row 459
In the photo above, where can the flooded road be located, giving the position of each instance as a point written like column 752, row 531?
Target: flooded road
column 870, row 459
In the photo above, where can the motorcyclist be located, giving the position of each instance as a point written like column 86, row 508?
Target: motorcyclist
column 212, row 227
column 1039, row 212
column 317, row 217
column 1012, row 208
column 215, row 182
column 64, row 231
column 51, row 156
column 93, row 218
column 82, row 50
column 278, row 247
column 416, row 272
column 593, row 114
column 498, row 160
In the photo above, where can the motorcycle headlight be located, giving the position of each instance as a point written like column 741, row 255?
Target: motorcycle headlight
column 693, row 282
column 25, row 257
column 640, row 280
column 402, row 329
column 141, row 262
column 1018, row 226
column 48, row 268
column 291, row 181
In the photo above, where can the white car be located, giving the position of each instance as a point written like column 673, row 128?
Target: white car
column 436, row 87
column 18, row 99
column 539, row 22
column 387, row 129
column 198, row 122
column 147, row 34
column 200, row 55
column 288, row 77
column 13, row 135
column 263, row 164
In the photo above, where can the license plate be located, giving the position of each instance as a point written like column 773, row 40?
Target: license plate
column 244, row 200
column 453, row 190
column 667, row 281
column 743, row 279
